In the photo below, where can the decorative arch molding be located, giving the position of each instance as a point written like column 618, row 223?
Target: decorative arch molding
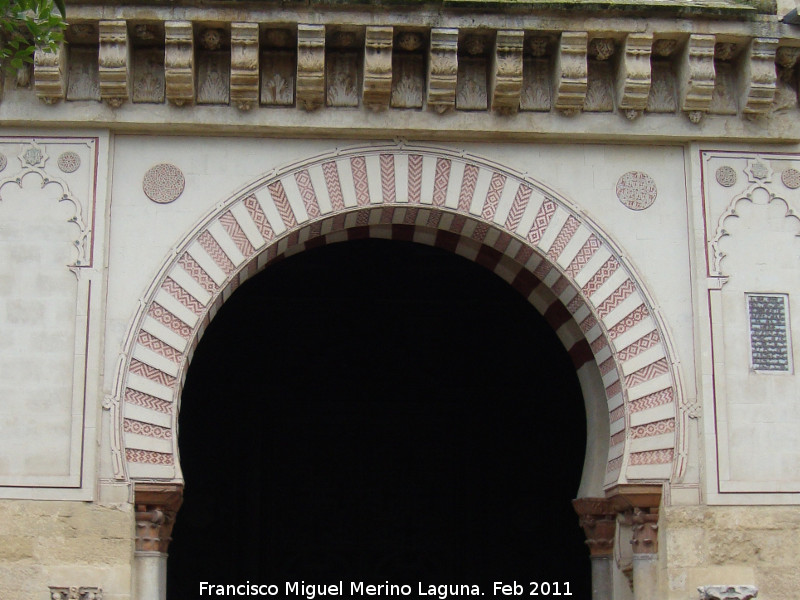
column 529, row 235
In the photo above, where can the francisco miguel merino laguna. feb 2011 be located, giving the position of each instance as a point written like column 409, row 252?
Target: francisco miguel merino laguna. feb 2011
column 353, row 589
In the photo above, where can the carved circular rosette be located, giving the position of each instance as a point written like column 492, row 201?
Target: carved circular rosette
column 726, row 176
column 163, row 183
column 636, row 190
column 3, row 162
column 791, row 178
column 69, row 162
column 664, row 47
column 409, row 41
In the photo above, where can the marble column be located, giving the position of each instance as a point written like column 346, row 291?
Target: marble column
column 156, row 507
column 598, row 520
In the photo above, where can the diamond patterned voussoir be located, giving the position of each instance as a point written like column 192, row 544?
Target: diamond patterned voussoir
column 542, row 220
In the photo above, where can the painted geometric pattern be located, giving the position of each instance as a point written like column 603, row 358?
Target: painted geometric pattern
column 601, row 276
column 468, row 183
column 518, row 207
column 652, row 457
column 387, row 178
column 166, row 318
column 564, row 236
column 502, row 240
column 331, row 174
column 657, row 428
column 216, row 252
column 259, row 218
column 586, row 252
column 496, row 186
column 151, row 342
column 306, row 188
column 542, row 220
column 234, row 230
column 182, row 296
column 146, row 429
column 197, row 272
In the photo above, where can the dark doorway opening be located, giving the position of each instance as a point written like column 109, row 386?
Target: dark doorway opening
column 379, row 410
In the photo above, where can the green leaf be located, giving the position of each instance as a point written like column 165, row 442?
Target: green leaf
column 16, row 63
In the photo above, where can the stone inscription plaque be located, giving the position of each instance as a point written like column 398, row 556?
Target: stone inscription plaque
column 769, row 342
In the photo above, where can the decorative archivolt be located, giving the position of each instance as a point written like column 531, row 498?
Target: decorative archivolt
column 549, row 251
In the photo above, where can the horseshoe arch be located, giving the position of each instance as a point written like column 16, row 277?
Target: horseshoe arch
column 545, row 247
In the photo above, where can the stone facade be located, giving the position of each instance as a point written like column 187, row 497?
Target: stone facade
column 639, row 187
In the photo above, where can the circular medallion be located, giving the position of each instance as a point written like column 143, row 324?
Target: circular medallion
column 3, row 162
column 726, row 176
column 636, row 190
column 791, row 178
column 69, row 162
column 163, row 183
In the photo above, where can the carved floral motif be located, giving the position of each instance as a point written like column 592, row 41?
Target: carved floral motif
column 636, row 190
column 163, row 183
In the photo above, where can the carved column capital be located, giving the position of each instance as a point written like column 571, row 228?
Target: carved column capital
column 727, row 592
column 645, row 531
column 156, row 508
column 76, row 593
column 598, row 519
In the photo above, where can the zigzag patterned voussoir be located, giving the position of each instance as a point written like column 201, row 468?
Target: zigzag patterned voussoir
column 215, row 251
column 307, row 193
column 333, row 184
column 282, row 204
column 647, row 373
column 387, row 178
column 518, row 207
column 616, row 298
column 601, row 276
column 234, row 230
column 415, row 178
column 147, row 401
column 653, row 400
column 181, row 295
column 468, row 183
column 583, row 256
column 606, row 366
column 151, row 373
column 617, row 414
column 259, row 218
column 542, row 220
column 614, row 465
column 493, row 194
column 614, row 389
column 158, row 346
column 652, row 457
column 197, row 273
column 564, row 236
column 481, row 229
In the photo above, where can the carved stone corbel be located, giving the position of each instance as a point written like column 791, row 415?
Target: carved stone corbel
column 50, row 74
column 696, row 75
column 244, row 65
column 727, row 592
column 506, row 84
column 157, row 505
column 571, row 72
column 114, row 62
column 758, row 78
column 633, row 74
column 443, row 69
column 311, row 66
column 378, row 67
column 179, row 62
